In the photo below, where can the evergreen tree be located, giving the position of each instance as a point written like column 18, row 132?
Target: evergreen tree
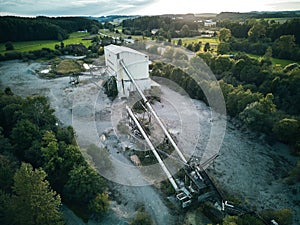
column 33, row 201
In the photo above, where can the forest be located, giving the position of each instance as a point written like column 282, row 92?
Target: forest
column 43, row 28
column 167, row 26
column 41, row 166
column 255, row 15
column 256, row 37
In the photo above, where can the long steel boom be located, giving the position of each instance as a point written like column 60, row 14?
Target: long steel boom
column 148, row 105
column 161, row 163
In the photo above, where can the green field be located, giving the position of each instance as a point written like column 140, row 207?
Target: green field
column 26, row 46
column 120, row 34
column 110, row 33
column 211, row 41
column 214, row 41
column 278, row 20
column 275, row 61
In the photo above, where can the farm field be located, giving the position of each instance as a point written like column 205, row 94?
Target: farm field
column 277, row 20
column 120, row 34
column 213, row 42
column 26, row 46
column 189, row 40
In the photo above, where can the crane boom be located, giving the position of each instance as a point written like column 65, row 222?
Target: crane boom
column 161, row 163
column 148, row 105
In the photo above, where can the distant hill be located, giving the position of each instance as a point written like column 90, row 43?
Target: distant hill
column 257, row 15
column 112, row 18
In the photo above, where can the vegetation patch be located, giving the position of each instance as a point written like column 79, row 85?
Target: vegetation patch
column 282, row 217
column 27, row 46
column 141, row 217
column 275, row 61
column 67, row 67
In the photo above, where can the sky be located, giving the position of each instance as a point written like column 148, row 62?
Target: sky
column 138, row 7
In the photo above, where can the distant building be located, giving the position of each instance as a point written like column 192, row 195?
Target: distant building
column 207, row 33
column 129, row 40
column 136, row 62
column 210, row 23
column 154, row 31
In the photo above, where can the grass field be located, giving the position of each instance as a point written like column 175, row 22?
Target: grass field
column 25, row 46
column 212, row 41
column 120, row 34
column 275, row 61
column 278, row 20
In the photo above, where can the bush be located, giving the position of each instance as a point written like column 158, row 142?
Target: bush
column 141, row 218
column 13, row 55
column 9, row 46
column 249, row 220
column 282, row 217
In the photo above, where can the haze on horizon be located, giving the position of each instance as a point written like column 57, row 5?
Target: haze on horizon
column 139, row 7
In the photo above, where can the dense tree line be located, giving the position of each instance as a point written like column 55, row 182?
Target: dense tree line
column 52, row 168
column 44, row 53
column 166, row 26
column 43, row 28
column 73, row 24
column 47, row 53
column 242, row 16
column 264, row 99
column 257, row 36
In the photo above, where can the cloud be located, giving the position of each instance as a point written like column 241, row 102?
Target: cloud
column 72, row 7
column 284, row 5
column 109, row 7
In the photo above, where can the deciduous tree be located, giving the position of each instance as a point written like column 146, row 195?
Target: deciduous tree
column 224, row 35
column 287, row 130
column 206, row 47
column 285, row 47
column 83, row 185
column 100, row 204
column 9, row 46
column 259, row 115
column 257, row 31
column 22, row 136
column 223, row 48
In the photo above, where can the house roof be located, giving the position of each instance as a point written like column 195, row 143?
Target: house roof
column 118, row 49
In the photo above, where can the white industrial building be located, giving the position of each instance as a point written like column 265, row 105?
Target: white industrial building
column 137, row 64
